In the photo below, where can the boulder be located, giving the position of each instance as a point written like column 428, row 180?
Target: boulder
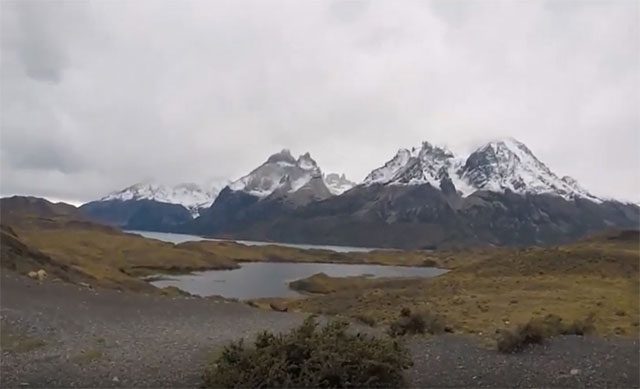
column 42, row 275
column 279, row 306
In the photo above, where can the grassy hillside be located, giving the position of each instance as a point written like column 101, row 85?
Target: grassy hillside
column 108, row 257
column 597, row 276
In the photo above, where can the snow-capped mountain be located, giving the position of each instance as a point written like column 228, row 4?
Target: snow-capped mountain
column 338, row 184
column 496, row 166
column 510, row 165
column 189, row 195
column 282, row 174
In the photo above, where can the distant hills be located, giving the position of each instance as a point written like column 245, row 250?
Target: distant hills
column 423, row 197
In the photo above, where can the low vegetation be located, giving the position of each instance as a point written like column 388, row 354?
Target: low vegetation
column 486, row 290
column 410, row 323
column 81, row 251
column 599, row 275
column 311, row 357
column 537, row 330
column 15, row 341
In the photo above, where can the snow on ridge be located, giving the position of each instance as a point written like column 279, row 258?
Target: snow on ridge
column 338, row 184
column 191, row 196
column 497, row 166
column 280, row 171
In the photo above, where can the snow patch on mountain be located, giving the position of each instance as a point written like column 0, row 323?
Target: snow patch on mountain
column 189, row 195
column 280, row 172
column 338, row 184
column 497, row 166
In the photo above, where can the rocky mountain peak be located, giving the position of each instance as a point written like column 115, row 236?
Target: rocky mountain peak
column 426, row 164
column 283, row 156
column 307, row 163
column 189, row 195
column 338, row 184
column 281, row 172
column 498, row 166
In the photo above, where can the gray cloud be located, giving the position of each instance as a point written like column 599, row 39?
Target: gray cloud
column 96, row 96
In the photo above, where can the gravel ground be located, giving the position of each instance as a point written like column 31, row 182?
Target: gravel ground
column 108, row 338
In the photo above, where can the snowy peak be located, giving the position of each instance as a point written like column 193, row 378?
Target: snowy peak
column 497, row 166
column 283, row 156
column 385, row 174
column 281, row 172
column 305, row 162
column 510, row 165
column 427, row 164
column 338, row 184
column 189, row 195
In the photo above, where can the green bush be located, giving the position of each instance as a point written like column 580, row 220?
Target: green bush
column 416, row 323
column 539, row 329
column 308, row 357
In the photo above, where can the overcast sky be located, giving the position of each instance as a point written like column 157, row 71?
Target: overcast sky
column 96, row 96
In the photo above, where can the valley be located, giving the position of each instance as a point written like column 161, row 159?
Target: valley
column 94, row 320
column 96, row 275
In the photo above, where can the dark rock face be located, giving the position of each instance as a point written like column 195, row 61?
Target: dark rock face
column 416, row 216
column 138, row 214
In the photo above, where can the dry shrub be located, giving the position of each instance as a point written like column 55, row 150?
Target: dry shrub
column 308, row 357
column 416, row 323
column 365, row 319
column 539, row 329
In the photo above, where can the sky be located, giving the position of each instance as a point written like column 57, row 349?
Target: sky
column 96, row 96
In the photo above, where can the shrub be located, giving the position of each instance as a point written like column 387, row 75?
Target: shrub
column 365, row 319
column 539, row 329
column 415, row 323
column 308, row 357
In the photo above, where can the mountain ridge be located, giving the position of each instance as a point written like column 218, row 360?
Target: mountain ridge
column 497, row 166
column 423, row 197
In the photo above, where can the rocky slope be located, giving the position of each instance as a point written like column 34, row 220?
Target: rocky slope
column 427, row 197
column 277, row 187
column 152, row 206
column 338, row 184
column 498, row 166
column 189, row 195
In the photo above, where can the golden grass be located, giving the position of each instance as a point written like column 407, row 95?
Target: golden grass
column 502, row 290
column 487, row 290
column 116, row 259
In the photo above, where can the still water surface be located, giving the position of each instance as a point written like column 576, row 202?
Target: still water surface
column 180, row 238
column 271, row 279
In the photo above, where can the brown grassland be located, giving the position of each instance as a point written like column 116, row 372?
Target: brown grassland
column 486, row 289
column 596, row 277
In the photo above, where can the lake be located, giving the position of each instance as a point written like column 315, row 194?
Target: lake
column 180, row 238
column 271, row 279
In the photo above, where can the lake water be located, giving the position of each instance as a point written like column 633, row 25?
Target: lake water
column 271, row 279
column 180, row 238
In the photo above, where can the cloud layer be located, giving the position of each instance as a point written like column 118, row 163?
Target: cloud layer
column 97, row 96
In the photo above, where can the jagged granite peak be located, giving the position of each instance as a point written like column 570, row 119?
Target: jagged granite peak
column 189, row 195
column 280, row 172
column 385, row 174
column 283, row 156
column 428, row 164
column 508, row 164
column 497, row 166
column 338, row 183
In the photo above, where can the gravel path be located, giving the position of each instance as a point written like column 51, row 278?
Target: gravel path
column 108, row 338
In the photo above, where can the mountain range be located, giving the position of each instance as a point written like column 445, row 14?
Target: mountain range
column 423, row 197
